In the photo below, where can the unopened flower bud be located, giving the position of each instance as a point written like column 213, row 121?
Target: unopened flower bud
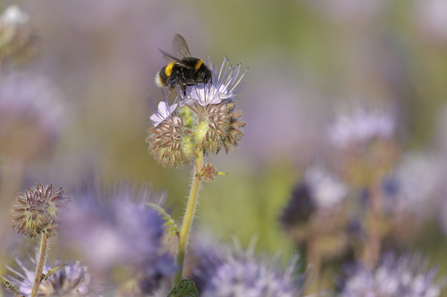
column 36, row 210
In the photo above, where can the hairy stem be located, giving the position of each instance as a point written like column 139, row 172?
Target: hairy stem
column 313, row 257
column 374, row 226
column 187, row 219
column 40, row 264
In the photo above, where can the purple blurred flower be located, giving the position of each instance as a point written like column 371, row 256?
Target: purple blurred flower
column 120, row 233
column 407, row 276
column 414, row 186
column 70, row 280
column 224, row 86
column 226, row 272
column 361, row 126
column 32, row 115
column 319, row 192
column 327, row 191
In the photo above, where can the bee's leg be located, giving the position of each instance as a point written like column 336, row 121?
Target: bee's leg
column 171, row 89
column 184, row 89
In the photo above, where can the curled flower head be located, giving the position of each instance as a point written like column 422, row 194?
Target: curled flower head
column 217, row 125
column 72, row 280
column 225, row 84
column 171, row 142
column 36, row 210
column 123, row 234
column 227, row 272
column 17, row 39
column 407, row 276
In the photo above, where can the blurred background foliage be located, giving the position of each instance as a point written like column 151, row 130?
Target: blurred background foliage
column 307, row 60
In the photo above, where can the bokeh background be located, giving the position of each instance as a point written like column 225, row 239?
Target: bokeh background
column 308, row 61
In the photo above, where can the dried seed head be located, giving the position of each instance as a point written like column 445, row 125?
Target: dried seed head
column 170, row 142
column 217, row 125
column 36, row 210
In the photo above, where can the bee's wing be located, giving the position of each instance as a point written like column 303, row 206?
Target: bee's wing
column 181, row 47
column 168, row 56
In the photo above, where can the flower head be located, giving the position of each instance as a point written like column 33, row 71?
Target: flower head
column 326, row 189
column 36, row 210
column 123, row 233
column 404, row 277
column 72, row 280
column 206, row 121
column 362, row 126
column 225, row 84
column 227, row 272
column 217, row 125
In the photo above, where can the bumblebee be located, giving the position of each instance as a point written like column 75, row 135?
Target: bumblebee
column 183, row 71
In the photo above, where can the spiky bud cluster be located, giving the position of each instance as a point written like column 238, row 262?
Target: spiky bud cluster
column 208, row 172
column 35, row 211
column 217, row 126
column 170, row 142
column 176, row 140
column 17, row 39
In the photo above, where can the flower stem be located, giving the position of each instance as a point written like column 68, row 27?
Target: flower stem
column 187, row 219
column 374, row 226
column 40, row 264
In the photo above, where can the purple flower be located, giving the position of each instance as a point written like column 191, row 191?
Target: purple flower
column 226, row 272
column 164, row 112
column 120, row 233
column 327, row 191
column 407, row 276
column 362, row 126
column 70, row 280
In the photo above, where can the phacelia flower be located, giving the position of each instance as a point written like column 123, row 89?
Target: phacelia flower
column 225, row 84
column 120, row 232
column 404, row 277
column 72, row 280
column 413, row 187
column 226, row 272
column 206, row 121
column 17, row 39
column 326, row 189
column 171, row 142
column 37, row 210
column 366, row 140
column 217, row 125
column 362, row 126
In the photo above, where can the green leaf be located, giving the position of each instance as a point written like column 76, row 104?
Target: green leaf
column 50, row 272
column 185, row 288
column 173, row 228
